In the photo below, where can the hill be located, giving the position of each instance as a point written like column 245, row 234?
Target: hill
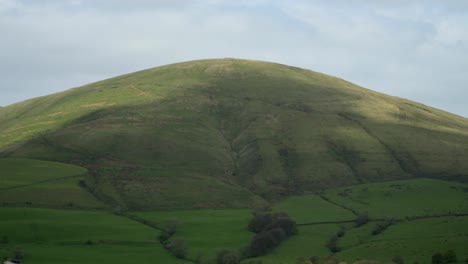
column 232, row 133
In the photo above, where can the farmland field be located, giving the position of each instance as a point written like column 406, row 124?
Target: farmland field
column 74, row 236
column 207, row 231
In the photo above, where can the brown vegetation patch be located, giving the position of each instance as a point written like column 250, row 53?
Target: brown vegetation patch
column 95, row 105
column 57, row 114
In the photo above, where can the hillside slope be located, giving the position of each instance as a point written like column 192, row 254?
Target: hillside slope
column 232, row 133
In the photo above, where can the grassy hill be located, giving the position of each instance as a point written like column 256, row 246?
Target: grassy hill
column 232, row 133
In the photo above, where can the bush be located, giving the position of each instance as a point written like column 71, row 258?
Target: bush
column 362, row 219
column 227, row 256
column 178, row 247
column 271, row 230
column 332, row 244
column 260, row 221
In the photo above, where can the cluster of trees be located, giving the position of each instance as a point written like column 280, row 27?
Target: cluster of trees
column 271, row 229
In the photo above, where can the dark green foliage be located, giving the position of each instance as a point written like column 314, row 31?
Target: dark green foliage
column 169, row 228
column 178, row 247
column 227, row 256
column 379, row 228
column 448, row 257
column 398, row 260
column 89, row 243
column 341, row 232
column 260, row 221
column 362, row 219
column 271, row 229
column 332, row 244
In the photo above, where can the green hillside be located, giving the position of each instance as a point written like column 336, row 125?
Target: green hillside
column 27, row 182
column 232, row 133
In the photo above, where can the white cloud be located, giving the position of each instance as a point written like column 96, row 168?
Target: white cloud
column 411, row 49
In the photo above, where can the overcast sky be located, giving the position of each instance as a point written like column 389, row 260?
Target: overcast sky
column 412, row 49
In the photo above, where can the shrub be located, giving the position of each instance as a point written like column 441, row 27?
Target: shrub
column 362, row 219
column 178, row 247
column 260, row 221
column 332, row 244
column 227, row 256
column 271, row 230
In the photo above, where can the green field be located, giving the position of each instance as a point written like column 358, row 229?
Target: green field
column 415, row 241
column 57, row 236
column 311, row 209
column 207, row 231
column 310, row 241
column 16, row 173
column 400, row 199
column 27, row 182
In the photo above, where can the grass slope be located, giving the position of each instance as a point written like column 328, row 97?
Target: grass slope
column 401, row 199
column 27, row 182
column 232, row 133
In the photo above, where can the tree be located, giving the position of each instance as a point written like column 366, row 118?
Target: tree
column 178, row 247
column 362, row 219
column 227, row 256
column 271, row 230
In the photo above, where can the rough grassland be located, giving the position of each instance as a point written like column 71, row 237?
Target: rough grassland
column 57, row 236
column 207, row 231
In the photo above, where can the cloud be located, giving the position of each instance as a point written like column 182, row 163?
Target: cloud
column 412, row 49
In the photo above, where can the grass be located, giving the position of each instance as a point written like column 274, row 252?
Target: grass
column 207, row 231
column 310, row 241
column 414, row 240
column 311, row 209
column 22, row 172
column 236, row 132
column 28, row 182
column 57, row 236
column 401, row 199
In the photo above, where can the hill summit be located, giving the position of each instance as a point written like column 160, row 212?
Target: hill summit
column 232, row 133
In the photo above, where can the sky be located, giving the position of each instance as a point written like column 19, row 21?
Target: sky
column 416, row 50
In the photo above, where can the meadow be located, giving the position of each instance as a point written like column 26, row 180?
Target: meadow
column 75, row 236
column 28, row 182
column 206, row 231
